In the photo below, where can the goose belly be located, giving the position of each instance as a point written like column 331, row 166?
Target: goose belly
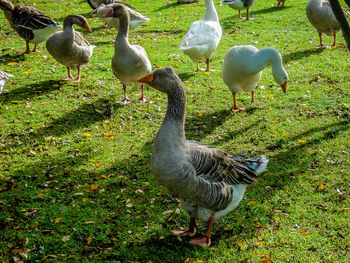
column 204, row 214
column 237, row 5
column 41, row 35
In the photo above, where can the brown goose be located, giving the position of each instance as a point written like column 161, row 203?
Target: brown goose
column 240, row 5
column 3, row 77
column 30, row 23
column 69, row 47
column 209, row 182
column 129, row 62
column 96, row 3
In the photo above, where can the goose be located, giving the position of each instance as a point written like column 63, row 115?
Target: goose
column 129, row 62
column 209, row 182
column 281, row 3
column 3, row 77
column 240, row 5
column 202, row 39
column 243, row 66
column 31, row 24
column 136, row 18
column 187, row 1
column 96, row 3
column 69, row 47
column 320, row 15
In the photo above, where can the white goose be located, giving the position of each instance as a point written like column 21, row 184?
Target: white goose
column 240, row 5
column 3, row 77
column 136, row 18
column 129, row 62
column 320, row 15
column 243, row 66
column 209, row 182
column 202, row 39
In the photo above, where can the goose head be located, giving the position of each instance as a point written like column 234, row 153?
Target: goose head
column 281, row 77
column 116, row 11
column 77, row 20
column 6, row 5
column 163, row 79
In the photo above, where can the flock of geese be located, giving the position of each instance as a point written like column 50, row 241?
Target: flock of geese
column 209, row 182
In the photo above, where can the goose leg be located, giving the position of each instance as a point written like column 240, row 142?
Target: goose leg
column 27, row 51
column 35, row 48
column 278, row 4
column 143, row 98
column 206, row 240
column 283, row 3
column 207, row 61
column 239, row 14
column 321, row 42
column 334, row 40
column 126, row 100
column 235, row 106
column 191, row 231
column 254, row 102
column 78, row 77
column 249, row 18
column 70, row 77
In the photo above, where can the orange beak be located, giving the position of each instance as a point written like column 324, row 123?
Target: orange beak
column 147, row 79
column 86, row 26
column 284, row 87
column 109, row 13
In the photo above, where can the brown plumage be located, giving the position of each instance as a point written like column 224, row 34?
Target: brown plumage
column 30, row 23
column 96, row 3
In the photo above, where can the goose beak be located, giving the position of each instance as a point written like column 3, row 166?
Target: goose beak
column 86, row 26
column 284, row 87
column 147, row 79
column 109, row 13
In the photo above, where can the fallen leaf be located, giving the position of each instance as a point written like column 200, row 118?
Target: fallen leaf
column 274, row 121
column 86, row 134
column 322, row 186
column 65, row 238
column 12, row 64
column 252, row 203
column 239, row 245
column 301, row 141
column 304, row 232
column 89, row 239
column 41, row 196
column 58, row 219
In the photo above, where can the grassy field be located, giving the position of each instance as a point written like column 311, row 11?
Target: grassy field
column 75, row 165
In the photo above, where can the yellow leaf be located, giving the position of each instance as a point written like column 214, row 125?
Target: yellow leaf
column 16, row 101
column 207, row 73
column 266, row 260
column 200, row 114
column 271, row 96
column 260, row 243
column 85, row 199
column 98, row 163
column 322, row 186
column 93, row 187
column 104, row 176
column 200, row 122
column 277, row 218
column 58, row 219
column 26, row 73
column 301, row 141
column 12, row 64
column 89, row 239
column 226, row 118
column 41, row 196
column 274, row 121
column 348, row 142
column 303, row 232
column 252, row 203
column 273, row 135
column 86, row 134
column 240, row 244
column 304, row 107
column 284, row 133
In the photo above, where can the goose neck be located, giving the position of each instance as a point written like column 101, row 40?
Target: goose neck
column 210, row 11
column 123, row 28
column 68, row 27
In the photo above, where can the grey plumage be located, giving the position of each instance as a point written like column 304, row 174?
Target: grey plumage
column 96, row 3
column 209, row 181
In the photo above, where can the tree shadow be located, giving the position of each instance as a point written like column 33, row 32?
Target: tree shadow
column 167, row 6
column 32, row 90
column 199, row 127
column 186, row 75
column 270, row 10
column 302, row 54
column 7, row 58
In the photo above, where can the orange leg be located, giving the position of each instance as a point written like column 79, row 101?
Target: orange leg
column 126, row 100
column 191, row 231
column 235, row 106
column 27, row 51
column 321, row 42
column 334, row 40
column 206, row 240
column 143, row 98
column 70, row 77
column 78, row 77
column 35, row 48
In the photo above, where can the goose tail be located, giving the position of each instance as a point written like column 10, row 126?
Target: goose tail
column 257, row 163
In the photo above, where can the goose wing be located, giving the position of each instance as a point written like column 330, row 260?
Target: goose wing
column 80, row 40
column 218, row 166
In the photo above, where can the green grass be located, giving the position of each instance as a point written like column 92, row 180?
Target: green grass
column 75, row 165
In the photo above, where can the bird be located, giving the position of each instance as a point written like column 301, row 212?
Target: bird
column 3, row 77
column 31, row 24
column 281, row 3
column 187, row 1
column 243, row 65
column 320, row 15
column 203, row 37
column 240, row 5
column 129, row 62
column 136, row 18
column 69, row 47
column 96, row 3
column 209, row 182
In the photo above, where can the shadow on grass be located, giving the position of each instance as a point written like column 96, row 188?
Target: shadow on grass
column 270, row 10
column 186, row 75
column 167, row 6
column 302, row 54
column 32, row 90
column 7, row 58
